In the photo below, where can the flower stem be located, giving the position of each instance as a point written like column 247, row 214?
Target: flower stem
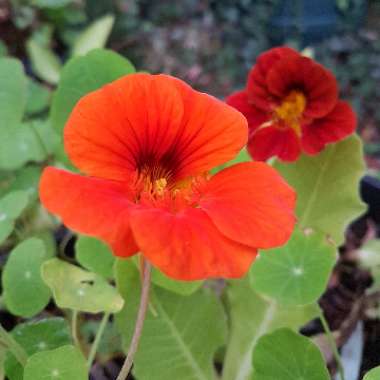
column 332, row 343
column 8, row 341
column 144, row 301
column 95, row 344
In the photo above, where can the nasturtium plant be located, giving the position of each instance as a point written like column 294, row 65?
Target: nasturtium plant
column 327, row 187
column 62, row 363
column 141, row 217
column 37, row 336
column 11, row 206
column 95, row 256
column 297, row 273
column 77, row 289
column 286, row 355
column 374, row 374
column 171, row 319
column 29, row 295
column 251, row 316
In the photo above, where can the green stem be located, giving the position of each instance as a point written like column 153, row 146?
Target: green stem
column 144, row 301
column 332, row 343
column 74, row 328
column 95, row 344
column 17, row 351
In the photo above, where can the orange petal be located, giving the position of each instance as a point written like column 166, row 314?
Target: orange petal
column 91, row 206
column 187, row 245
column 251, row 204
column 142, row 119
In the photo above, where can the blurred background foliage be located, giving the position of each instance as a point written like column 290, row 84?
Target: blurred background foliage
column 210, row 43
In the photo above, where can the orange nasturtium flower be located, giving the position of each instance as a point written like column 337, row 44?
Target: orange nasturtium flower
column 145, row 144
column 291, row 104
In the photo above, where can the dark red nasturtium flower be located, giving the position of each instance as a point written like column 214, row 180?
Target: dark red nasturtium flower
column 145, row 144
column 291, row 103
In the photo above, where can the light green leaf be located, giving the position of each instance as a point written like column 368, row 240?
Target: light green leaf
column 184, row 288
column 63, row 363
column 287, row 355
column 25, row 294
column 77, row 289
column 42, row 335
column 30, row 141
column 94, row 36
column 252, row 316
column 181, row 333
column 12, row 96
column 297, row 273
column 373, row 374
column 82, row 75
column 37, row 97
column 327, row 187
column 11, row 207
column 95, row 256
column 45, row 63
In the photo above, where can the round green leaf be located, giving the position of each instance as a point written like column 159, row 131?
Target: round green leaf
column 25, row 294
column 287, row 355
column 82, row 75
column 94, row 36
column 45, row 334
column 11, row 207
column 63, row 363
column 297, row 273
column 12, row 95
column 95, row 256
column 327, row 187
column 373, row 374
column 77, row 289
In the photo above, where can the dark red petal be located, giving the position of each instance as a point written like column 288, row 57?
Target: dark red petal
column 257, row 89
column 187, row 245
column 251, row 204
column 303, row 74
column 335, row 126
column 273, row 141
column 91, row 206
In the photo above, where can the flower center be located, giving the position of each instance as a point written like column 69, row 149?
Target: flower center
column 289, row 112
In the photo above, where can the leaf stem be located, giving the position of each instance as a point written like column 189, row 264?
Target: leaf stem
column 74, row 328
column 144, row 301
column 8, row 340
column 98, row 336
column 332, row 342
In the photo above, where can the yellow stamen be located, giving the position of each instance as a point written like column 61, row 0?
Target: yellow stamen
column 291, row 109
column 160, row 185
